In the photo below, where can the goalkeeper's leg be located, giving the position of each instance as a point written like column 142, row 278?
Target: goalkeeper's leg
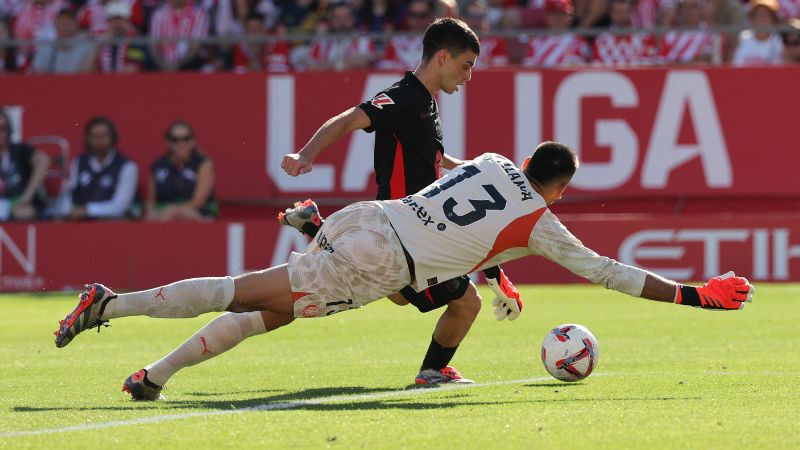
column 219, row 336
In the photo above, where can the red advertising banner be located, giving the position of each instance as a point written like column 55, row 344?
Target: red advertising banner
column 130, row 255
column 640, row 133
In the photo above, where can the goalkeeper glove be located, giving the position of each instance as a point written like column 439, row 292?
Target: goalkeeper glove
column 507, row 302
column 724, row 292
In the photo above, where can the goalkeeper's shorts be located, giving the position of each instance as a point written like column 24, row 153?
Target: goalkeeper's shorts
column 356, row 258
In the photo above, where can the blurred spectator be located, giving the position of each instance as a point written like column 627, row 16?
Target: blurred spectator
column 271, row 56
column 726, row 13
column 142, row 14
column 8, row 54
column 92, row 16
column 789, row 9
column 403, row 52
column 22, row 173
column 791, row 43
column 347, row 49
column 36, row 20
column 760, row 47
column 178, row 19
column 379, row 15
column 632, row 49
column 72, row 53
column 557, row 49
column 233, row 14
column 181, row 185
column 102, row 182
column 493, row 49
column 119, row 57
column 692, row 46
column 300, row 15
column 593, row 13
column 9, row 9
column 652, row 13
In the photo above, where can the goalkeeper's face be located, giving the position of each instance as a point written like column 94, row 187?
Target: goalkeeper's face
column 553, row 191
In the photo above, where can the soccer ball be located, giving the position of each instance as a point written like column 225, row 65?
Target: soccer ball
column 570, row 352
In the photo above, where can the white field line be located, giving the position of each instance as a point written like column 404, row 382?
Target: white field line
column 268, row 407
column 338, row 399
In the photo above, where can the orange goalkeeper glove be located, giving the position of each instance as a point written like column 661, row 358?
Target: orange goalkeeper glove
column 724, row 292
column 507, row 302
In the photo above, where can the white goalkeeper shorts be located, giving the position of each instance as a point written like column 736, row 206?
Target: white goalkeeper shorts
column 356, row 258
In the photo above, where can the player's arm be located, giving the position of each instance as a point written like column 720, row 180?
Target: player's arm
column 331, row 131
column 552, row 240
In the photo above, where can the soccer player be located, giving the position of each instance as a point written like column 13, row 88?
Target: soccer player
column 406, row 122
column 485, row 212
column 409, row 155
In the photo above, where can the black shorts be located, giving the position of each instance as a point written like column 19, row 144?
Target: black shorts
column 436, row 296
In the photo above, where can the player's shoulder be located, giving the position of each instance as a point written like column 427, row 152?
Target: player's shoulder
column 495, row 158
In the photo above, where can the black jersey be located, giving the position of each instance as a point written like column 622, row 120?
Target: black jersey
column 15, row 170
column 408, row 138
column 97, row 186
column 176, row 183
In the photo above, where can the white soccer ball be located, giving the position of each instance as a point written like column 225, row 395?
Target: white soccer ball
column 570, row 352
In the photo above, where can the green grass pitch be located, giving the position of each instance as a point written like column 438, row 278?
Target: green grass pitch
column 668, row 377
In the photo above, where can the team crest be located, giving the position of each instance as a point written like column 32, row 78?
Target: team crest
column 382, row 100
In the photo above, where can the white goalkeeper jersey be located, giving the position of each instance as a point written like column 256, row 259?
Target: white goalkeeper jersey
column 484, row 213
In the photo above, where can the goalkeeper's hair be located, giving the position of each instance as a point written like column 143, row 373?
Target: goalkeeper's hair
column 552, row 161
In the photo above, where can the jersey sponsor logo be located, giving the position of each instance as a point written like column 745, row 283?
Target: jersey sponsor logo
column 382, row 100
column 422, row 215
column 518, row 180
column 324, row 243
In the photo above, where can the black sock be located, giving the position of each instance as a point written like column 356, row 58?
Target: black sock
column 437, row 357
column 311, row 229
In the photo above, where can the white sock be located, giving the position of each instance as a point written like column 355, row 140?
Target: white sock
column 187, row 298
column 220, row 335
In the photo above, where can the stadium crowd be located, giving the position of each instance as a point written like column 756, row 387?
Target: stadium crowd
column 102, row 183
column 300, row 35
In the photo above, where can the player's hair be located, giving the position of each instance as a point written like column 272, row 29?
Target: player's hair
column 100, row 120
column 451, row 34
column 9, row 125
column 552, row 161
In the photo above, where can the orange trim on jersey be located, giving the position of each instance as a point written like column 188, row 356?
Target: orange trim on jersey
column 397, row 183
column 515, row 234
column 298, row 295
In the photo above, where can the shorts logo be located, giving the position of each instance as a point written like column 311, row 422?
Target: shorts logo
column 382, row 100
column 311, row 311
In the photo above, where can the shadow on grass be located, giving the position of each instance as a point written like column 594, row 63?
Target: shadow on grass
column 318, row 399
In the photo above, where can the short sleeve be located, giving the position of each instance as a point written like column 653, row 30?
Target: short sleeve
column 385, row 111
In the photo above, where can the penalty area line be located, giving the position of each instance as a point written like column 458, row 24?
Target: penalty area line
column 268, row 407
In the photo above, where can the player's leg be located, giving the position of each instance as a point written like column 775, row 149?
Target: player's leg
column 452, row 327
column 304, row 217
column 266, row 290
column 218, row 336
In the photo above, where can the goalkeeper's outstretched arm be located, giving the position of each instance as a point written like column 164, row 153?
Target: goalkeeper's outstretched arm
column 553, row 241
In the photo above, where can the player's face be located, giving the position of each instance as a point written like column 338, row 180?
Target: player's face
column 456, row 70
column 553, row 192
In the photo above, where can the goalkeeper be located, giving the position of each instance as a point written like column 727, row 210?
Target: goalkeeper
column 483, row 213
